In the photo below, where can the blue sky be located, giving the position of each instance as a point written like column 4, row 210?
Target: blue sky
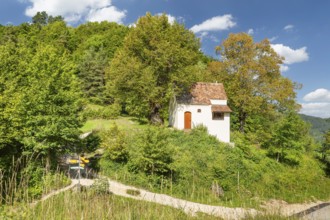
column 299, row 30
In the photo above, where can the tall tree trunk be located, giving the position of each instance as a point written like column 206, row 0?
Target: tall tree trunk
column 154, row 116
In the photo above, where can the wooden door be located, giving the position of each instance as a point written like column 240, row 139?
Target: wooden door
column 187, row 120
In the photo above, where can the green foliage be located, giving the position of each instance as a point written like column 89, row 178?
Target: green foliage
column 255, row 87
column 289, row 140
column 52, row 108
column 104, row 37
column 326, row 146
column 97, row 45
column 244, row 174
column 91, row 73
column 56, row 34
column 34, row 175
column 102, row 112
column 100, row 186
column 45, row 65
column 40, row 96
column 157, row 60
column 152, row 155
column 27, row 179
column 325, row 151
column 42, row 18
column 92, row 142
column 115, row 144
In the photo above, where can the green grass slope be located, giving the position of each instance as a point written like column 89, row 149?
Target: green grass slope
column 195, row 166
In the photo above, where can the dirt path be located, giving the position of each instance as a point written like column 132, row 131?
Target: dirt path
column 283, row 208
column 187, row 206
column 271, row 207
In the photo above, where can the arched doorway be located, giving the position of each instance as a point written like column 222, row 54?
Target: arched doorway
column 187, row 120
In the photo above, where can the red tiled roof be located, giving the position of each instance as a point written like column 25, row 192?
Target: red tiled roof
column 201, row 93
column 220, row 108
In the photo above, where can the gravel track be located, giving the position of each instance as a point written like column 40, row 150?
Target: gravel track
column 191, row 208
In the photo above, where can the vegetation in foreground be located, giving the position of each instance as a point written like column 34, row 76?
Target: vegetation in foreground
column 49, row 72
column 195, row 166
column 95, row 202
column 98, row 203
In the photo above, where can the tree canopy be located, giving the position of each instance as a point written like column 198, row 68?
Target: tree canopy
column 40, row 99
column 253, row 81
column 157, row 60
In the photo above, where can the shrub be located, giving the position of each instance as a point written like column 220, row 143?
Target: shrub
column 102, row 112
column 188, row 164
column 289, row 140
column 101, row 186
column 153, row 155
column 115, row 144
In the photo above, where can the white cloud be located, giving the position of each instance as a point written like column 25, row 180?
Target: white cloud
column 171, row 18
column 217, row 23
column 273, row 38
column 132, row 25
column 316, row 109
column 111, row 14
column 250, row 31
column 291, row 55
column 203, row 34
column 288, row 27
column 317, row 103
column 284, row 68
column 319, row 95
column 76, row 10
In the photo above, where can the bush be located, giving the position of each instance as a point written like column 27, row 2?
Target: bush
column 102, row 112
column 289, row 140
column 152, row 153
column 115, row 144
column 101, row 186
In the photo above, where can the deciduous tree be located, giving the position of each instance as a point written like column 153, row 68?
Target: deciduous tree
column 252, row 78
column 156, row 61
column 39, row 100
column 289, row 139
column 325, row 150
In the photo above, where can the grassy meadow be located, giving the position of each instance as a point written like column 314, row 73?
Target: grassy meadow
column 88, row 205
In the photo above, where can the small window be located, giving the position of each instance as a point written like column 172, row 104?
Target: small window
column 199, row 110
column 218, row 115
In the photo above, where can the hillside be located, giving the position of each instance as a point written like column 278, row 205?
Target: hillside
column 164, row 160
column 318, row 125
